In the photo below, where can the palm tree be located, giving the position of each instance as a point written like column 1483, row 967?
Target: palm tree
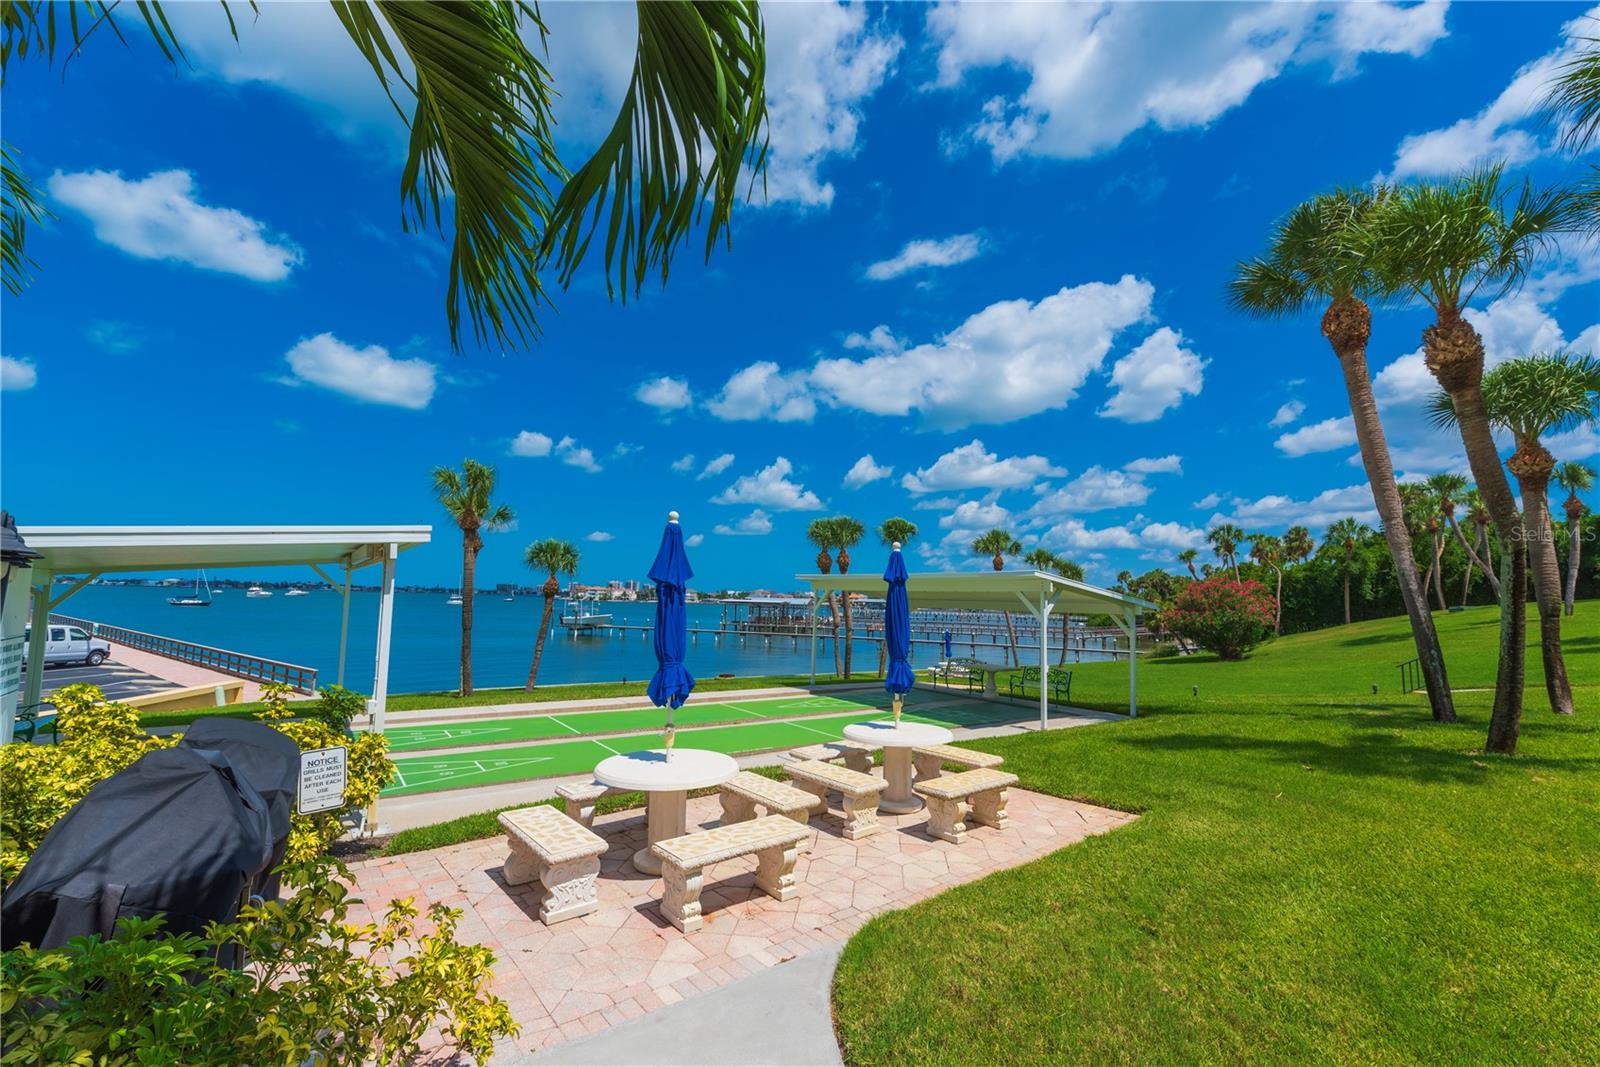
column 1318, row 257
column 892, row 530
column 1445, row 488
column 1267, row 550
column 1187, row 557
column 1576, row 92
column 1298, row 544
column 1575, row 478
column 1478, row 514
column 465, row 495
column 1531, row 397
column 820, row 533
column 1225, row 540
column 847, row 533
column 1346, row 535
column 482, row 145
column 998, row 544
column 554, row 557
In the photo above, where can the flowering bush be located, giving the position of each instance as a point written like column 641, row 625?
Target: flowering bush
column 1223, row 616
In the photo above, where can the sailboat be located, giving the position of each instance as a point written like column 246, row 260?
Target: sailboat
column 453, row 598
column 194, row 600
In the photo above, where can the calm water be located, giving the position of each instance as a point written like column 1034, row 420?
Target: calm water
column 427, row 637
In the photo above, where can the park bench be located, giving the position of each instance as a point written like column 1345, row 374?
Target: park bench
column 930, row 760
column 1060, row 684
column 579, row 799
column 774, row 839
column 857, row 755
column 744, row 791
column 32, row 719
column 953, row 798
column 565, row 856
column 858, row 793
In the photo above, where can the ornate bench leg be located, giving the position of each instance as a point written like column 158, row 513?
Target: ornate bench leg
column 581, row 812
column 944, row 819
column 929, row 767
column 522, row 864
column 736, row 808
column 680, row 898
column 820, row 792
column 989, row 809
column 857, row 760
column 571, row 889
column 775, row 871
column 861, row 817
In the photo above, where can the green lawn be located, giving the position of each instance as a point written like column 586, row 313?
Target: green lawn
column 1318, row 875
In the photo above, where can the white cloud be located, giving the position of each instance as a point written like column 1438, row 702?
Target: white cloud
column 1096, row 73
column 1287, row 413
column 1324, row 436
column 695, row 540
column 1096, row 489
column 762, row 391
column 1210, row 500
column 624, row 448
column 17, row 374
column 770, row 487
column 1073, row 534
column 1012, row 359
column 918, row 255
column 159, row 217
column 1154, row 377
column 531, row 443
column 575, row 455
column 664, row 393
column 1505, row 130
column 369, row 373
column 755, row 524
column 1172, row 464
column 716, row 466
column 684, row 464
column 823, row 62
column 866, row 471
column 1172, row 535
column 1275, row 511
column 599, row 536
column 973, row 516
column 971, row 466
column 879, row 339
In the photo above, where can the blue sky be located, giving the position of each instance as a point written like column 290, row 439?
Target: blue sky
column 985, row 288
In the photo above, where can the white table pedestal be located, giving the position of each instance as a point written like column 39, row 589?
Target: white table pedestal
column 898, row 741
column 897, row 795
column 666, row 783
column 666, row 816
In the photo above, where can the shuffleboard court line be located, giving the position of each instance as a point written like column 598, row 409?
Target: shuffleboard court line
column 574, row 729
column 607, row 747
column 829, row 734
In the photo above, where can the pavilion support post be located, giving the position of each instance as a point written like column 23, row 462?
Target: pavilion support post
column 1133, row 664
column 380, row 676
column 1045, row 604
column 12, row 622
column 344, row 622
column 813, row 637
column 39, row 582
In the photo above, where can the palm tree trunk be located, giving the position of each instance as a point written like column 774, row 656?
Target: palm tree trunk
column 848, row 649
column 1532, row 465
column 1505, row 720
column 1277, row 622
column 1466, row 576
column 1427, row 581
column 1347, row 593
column 833, row 620
column 1473, row 560
column 538, row 641
column 1347, row 326
column 1574, row 539
column 1011, row 631
column 469, row 571
column 1438, row 569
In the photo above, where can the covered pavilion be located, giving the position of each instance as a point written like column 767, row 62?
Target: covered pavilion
column 1039, row 593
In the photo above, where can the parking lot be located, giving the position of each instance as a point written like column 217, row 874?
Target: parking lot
column 117, row 681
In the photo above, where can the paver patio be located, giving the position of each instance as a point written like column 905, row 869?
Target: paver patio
column 624, row 959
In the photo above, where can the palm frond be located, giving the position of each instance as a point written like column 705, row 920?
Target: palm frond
column 23, row 206
column 1318, row 252
column 1541, row 394
column 553, row 556
column 1575, row 95
column 693, row 116
column 1575, row 477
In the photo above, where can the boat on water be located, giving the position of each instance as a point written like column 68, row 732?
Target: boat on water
column 453, row 598
column 194, row 600
column 297, row 592
column 256, row 591
column 582, row 617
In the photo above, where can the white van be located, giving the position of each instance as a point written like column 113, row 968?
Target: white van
column 68, row 644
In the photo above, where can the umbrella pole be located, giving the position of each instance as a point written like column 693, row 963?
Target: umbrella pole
column 898, row 699
column 672, row 734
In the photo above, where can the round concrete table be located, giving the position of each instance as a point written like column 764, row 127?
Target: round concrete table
column 897, row 742
column 666, row 784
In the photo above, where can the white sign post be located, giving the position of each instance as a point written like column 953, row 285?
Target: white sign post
column 323, row 773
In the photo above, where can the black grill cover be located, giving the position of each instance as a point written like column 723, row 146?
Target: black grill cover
column 177, row 833
column 270, row 762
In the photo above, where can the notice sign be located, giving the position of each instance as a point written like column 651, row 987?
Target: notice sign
column 10, row 665
column 322, row 779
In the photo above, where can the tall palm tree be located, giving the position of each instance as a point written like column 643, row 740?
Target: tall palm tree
column 466, row 494
column 482, row 146
column 1446, row 244
column 1267, row 550
column 1346, row 535
column 998, row 544
column 847, row 533
column 820, row 533
column 1445, row 488
column 1575, row 478
column 1225, row 539
column 897, row 529
column 1531, row 397
column 1298, row 544
column 554, row 557
column 1478, row 514
column 1318, row 257
column 1187, row 557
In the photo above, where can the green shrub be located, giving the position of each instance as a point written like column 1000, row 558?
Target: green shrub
column 318, row 988
column 1222, row 616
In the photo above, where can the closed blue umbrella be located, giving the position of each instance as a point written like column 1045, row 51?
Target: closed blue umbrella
column 672, row 683
column 898, row 680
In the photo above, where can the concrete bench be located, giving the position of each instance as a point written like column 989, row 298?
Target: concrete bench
column 774, row 839
column 565, row 856
column 859, row 793
column 857, row 755
column 579, row 799
column 931, row 759
column 948, row 798
column 744, row 791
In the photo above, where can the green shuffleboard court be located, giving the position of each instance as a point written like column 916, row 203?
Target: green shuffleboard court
column 761, row 732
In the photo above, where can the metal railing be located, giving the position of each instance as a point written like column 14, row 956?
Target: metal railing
column 239, row 664
column 1410, row 675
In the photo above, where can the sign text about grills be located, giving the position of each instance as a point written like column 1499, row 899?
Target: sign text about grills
column 322, row 779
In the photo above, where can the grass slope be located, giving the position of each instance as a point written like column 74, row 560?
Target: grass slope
column 1318, row 875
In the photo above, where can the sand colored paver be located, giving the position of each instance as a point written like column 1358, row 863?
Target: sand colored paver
column 624, row 960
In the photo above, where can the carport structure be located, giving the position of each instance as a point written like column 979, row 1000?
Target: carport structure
column 1039, row 593
column 335, row 553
